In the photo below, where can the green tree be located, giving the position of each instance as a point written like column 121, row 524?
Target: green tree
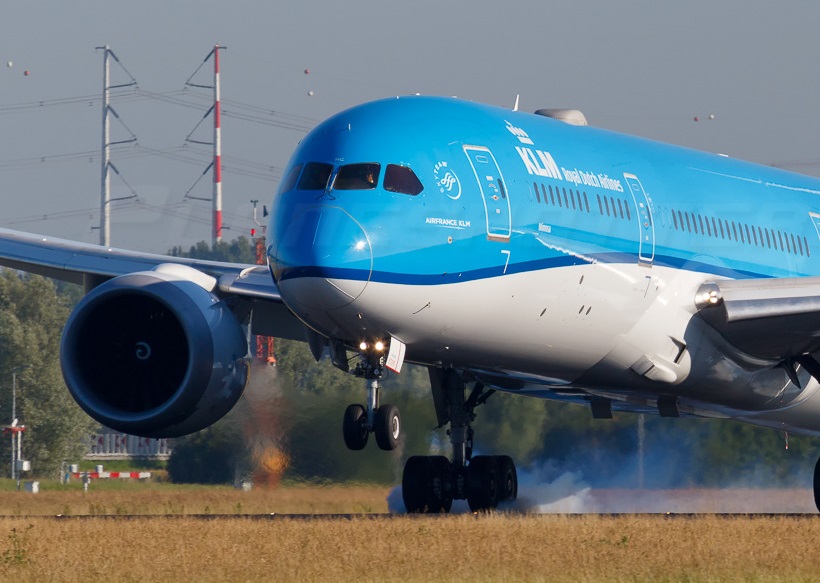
column 239, row 250
column 32, row 316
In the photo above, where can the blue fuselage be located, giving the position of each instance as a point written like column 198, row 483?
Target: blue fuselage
column 554, row 241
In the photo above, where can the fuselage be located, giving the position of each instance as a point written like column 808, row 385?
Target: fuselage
column 541, row 257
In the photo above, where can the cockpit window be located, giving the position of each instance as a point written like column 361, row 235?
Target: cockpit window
column 402, row 179
column 290, row 179
column 357, row 177
column 315, row 176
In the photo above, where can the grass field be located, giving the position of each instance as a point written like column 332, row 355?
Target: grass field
column 175, row 546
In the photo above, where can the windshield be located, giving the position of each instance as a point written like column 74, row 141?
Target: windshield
column 357, row 177
column 315, row 176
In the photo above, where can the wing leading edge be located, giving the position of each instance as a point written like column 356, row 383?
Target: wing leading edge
column 90, row 265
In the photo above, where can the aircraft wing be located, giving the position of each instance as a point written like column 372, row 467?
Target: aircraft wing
column 777, row 318
column 90, row 265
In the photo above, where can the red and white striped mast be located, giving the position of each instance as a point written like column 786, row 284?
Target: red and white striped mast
column 217, row 198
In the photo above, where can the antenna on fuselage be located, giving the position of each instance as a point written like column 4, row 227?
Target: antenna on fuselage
column 517, row 97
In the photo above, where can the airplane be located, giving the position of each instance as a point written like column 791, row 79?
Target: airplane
column 528, row 253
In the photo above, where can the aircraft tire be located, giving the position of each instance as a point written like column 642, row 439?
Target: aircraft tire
column 354, row 427
column 441, row 498
column 415, row 484
column 816, row 485
column 387, row 427
column 482, row 483
column 507, row 478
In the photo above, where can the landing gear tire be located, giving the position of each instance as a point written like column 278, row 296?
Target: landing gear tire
column 415, row 483
column 387, row 427
column 354, row 427
column 482, row 483
column 817, row 485
column 442, row 497
column 507, row 478
column 424, row 485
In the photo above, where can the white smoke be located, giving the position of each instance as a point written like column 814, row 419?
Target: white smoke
column 548, row 490
column 566, row 494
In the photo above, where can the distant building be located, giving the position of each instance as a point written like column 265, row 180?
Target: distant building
column 119, row 446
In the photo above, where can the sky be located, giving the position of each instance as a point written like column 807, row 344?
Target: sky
column 639, row 67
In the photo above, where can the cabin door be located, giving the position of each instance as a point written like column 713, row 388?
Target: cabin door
column 646, row 227
column 493, row 192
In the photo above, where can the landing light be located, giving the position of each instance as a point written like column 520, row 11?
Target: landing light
column 363, row 346
column 359, row 245
column 380, row 346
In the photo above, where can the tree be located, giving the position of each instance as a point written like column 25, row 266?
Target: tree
column 32, row 316
column 240, row 250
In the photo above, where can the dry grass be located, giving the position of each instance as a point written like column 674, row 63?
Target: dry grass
column 455, row 548
column 164, row 499
column 499, row 547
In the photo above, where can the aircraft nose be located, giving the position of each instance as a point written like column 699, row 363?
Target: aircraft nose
column 323, row 258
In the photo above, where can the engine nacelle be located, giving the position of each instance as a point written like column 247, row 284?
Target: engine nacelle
column 155, row 354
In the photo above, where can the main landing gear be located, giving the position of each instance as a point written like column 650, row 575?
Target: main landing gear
column 360, row 421
column 431, row 483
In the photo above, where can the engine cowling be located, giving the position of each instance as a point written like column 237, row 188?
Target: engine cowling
column 154, row 354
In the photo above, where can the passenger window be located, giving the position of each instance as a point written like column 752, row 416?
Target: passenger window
column 358, row 177
column 401, row 179
column 315, row 176
column 537, row 193
column 586, row 201
column 628, row 214
column 552, row 197
column 600, row 205
column 544, row 192
column 675, row 220
column 290, row 179
column 800, row 245
column 806, row 246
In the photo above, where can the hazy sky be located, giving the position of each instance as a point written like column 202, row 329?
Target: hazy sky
column 646, row 68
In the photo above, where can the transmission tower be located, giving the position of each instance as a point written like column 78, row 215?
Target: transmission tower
column 106, row 165
column 216, row 164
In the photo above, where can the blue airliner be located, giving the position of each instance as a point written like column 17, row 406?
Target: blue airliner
column 504, row 251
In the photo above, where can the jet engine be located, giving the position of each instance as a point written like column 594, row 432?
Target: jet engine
column 155, row 353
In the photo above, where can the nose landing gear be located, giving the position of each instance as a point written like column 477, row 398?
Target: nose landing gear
column 359, row 421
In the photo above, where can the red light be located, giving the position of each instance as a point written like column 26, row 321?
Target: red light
column 253, row 232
